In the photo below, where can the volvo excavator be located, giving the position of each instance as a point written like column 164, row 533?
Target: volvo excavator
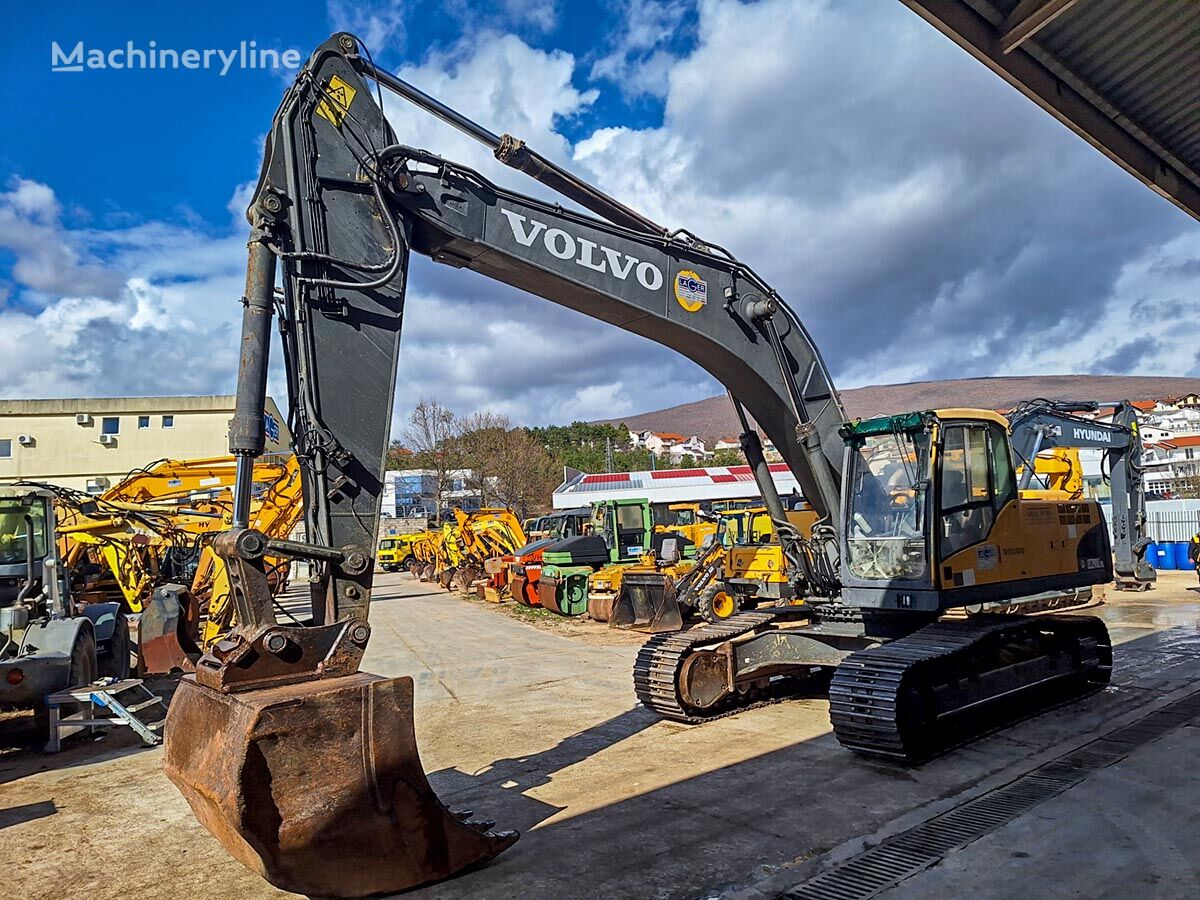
column 306, row 768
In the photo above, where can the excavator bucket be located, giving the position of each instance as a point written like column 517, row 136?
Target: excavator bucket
column 318, row 786
column 166, row 630
column 646, row 603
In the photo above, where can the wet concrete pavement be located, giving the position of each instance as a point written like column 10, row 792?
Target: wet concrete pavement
column 540, row 731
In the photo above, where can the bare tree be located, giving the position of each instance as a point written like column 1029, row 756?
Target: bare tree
column 433, row 434
column 526, row 473
column 509, row 466
column 482, row 439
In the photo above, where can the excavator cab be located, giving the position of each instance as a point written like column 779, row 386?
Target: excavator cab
column 932, row 518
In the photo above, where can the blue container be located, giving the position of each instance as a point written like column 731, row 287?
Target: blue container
column 1181, row 556
column 1150, row 554
column 1164, row 557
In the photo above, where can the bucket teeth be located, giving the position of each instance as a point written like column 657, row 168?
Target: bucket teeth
column 318, row 786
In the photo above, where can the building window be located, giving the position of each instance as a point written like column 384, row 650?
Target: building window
column 6, row 448
column 168, row 422
column 110, row 425
column 143, row 422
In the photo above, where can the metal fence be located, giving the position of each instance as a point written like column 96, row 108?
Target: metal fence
column 1174, row 526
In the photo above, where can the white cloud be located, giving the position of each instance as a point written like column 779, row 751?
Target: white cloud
column 147, row 309
column 923, row 219
column 380, row 25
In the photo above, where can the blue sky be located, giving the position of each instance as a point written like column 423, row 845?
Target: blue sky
column 166, row 144
column 924, row 219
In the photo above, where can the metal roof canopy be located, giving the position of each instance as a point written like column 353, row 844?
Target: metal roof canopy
column 1123, row 74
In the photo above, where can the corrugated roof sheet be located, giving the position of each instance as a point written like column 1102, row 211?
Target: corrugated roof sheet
column 1125, row 74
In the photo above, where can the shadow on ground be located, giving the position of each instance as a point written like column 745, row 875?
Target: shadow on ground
column 757, row 816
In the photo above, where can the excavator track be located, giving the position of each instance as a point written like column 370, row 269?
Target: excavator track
column 916, row 697
column 656, row 672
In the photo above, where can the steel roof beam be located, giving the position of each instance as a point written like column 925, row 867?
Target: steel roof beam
column 1065, row 96
column 1030, row 17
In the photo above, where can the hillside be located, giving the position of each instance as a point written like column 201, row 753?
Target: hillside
column 713, row 418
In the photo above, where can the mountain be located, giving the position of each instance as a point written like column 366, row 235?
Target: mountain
column 713, row 418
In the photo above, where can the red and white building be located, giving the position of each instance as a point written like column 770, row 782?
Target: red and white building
column 670, row 485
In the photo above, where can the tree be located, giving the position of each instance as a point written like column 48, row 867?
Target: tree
column 582, row 445
column 509, row 466
column 433, row 434
column 398, row 456
column 727, row 458
column 482, row 440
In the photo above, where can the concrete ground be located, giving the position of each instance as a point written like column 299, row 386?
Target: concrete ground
column 534, row 724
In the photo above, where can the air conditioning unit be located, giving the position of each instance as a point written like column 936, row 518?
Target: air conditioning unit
column 97, row 485
column 108, row 440
column 25, row 440
column 83, row 418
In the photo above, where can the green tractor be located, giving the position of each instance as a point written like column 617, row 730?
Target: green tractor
column 619, row 534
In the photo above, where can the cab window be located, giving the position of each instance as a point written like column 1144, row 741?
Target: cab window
column 967, row 501
column 1004, row 477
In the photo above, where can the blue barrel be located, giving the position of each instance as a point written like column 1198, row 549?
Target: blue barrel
column 1181, row 556
column 1151, row 553
column 1164, row 557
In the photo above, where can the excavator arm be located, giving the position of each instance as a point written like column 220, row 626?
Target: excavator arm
column 341, row 205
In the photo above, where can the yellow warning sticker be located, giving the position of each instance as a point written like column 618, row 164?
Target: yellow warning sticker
column 338, row 97
column 690, row 290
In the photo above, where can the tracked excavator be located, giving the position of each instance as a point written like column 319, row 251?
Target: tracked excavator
column 1047, row 425
column 306, row 769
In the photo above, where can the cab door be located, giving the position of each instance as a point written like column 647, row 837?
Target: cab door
column 975, row 482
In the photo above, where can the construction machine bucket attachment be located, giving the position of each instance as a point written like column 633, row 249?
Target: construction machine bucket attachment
column 318, row 786
column 646, row 603
column 166, row 630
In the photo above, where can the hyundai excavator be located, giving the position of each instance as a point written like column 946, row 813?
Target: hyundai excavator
column 306, row 769
column 1040, row 425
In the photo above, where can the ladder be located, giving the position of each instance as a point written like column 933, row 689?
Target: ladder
column 100, row 708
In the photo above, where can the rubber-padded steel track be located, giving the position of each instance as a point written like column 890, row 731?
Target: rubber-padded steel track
column 656, row 671
column 908, row 699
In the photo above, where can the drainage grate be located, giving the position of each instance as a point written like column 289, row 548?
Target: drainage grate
column 881, row 867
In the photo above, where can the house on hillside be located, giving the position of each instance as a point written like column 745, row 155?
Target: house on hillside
column 692, row 446
column 668, row 445
column 1173, row 466
column 728, row 443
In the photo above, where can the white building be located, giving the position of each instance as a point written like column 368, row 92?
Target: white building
column 412, row 493
column 670, row 485
column 668, row 444
column 693, row 447
column 1170, row 462
column 92, row 443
